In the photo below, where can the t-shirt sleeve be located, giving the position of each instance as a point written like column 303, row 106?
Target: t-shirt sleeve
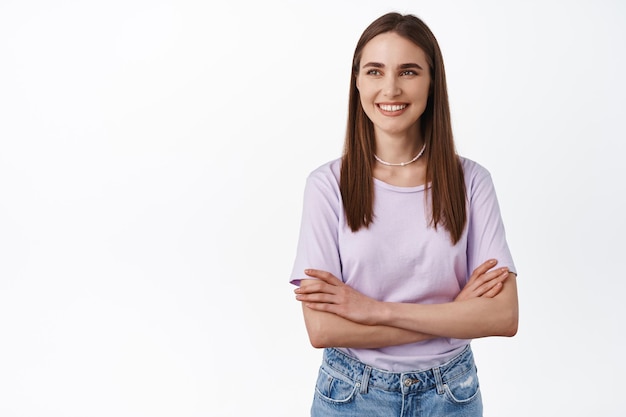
column 486, row 235
column 317, row 243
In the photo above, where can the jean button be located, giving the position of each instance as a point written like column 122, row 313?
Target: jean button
column 409, row 381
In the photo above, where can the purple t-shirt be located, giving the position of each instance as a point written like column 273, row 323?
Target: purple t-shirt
column 400, row 258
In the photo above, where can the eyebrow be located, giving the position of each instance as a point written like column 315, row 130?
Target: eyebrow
column 401, row 66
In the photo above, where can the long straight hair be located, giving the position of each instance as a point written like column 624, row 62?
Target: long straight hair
column 444, row 171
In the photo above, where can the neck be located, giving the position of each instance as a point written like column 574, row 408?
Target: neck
column 392, row 152
column 401, row 164
column 396, row 147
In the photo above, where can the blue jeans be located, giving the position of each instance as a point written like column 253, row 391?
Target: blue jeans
column 347, row 387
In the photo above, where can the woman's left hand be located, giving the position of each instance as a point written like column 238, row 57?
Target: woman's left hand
column 328, row 293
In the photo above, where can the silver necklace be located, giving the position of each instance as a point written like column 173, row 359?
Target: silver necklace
column 401, row 164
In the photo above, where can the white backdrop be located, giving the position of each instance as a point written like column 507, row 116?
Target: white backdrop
column 152, row 162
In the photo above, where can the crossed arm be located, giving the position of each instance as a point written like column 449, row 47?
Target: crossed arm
column 336, row 315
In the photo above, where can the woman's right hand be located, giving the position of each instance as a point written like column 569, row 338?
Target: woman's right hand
column 484, row 282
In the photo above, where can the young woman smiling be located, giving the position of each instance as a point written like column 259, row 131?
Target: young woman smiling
column 402, row 257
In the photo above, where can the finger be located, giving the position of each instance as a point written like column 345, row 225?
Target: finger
column 329, row 308
column 488, row 276
column 323, row 275
column 316, row 298
column 484, row 267
column 489, row 285
column 483, row 283
column 314, row 286
column 494, row 291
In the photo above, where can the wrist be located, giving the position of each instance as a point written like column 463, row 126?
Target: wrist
column 382, row 314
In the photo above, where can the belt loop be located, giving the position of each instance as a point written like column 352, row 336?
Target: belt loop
column 365, row 379
column 438, row 380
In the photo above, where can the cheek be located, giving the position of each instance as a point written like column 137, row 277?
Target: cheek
column 367, row 102
column 364, row 97
column 422, row 93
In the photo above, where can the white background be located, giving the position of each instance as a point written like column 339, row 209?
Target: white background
column 152, row 162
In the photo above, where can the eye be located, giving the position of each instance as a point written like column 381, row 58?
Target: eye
column 373, row 72
column 408, row 72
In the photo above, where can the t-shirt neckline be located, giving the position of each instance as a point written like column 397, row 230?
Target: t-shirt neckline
column 397, row 188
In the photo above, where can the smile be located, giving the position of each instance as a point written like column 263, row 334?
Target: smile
column 392, row 107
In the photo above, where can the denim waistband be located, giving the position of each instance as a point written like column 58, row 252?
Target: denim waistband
column 368, row 376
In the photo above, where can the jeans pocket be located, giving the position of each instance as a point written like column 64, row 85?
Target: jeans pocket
column 464, row 388
column 333, row 387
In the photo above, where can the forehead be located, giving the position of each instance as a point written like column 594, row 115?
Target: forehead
column 390, row 48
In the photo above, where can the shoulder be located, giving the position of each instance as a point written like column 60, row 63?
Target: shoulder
column 477, row 178
column 328, row 173
column 474, row 173
column 323, row 182
column 478, row 182
column 472, row 169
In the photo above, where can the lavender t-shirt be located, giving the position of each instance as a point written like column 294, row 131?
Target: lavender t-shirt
column 400, row 258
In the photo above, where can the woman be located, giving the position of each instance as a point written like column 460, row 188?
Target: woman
column 399, row 243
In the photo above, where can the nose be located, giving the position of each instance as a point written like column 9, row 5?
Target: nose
column 391, row 88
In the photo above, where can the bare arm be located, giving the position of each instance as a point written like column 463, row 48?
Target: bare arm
column 468, row 319
column 330, row 329
column 464, row 318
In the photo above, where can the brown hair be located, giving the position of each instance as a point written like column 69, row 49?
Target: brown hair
column 443, row 170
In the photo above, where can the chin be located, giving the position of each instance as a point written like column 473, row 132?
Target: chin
column 395, row 130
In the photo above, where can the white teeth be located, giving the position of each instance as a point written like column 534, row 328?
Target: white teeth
column 392, row 107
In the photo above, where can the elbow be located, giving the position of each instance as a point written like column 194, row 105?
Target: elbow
column 510, row 325
column 317, row 336
column 510, row 331
column 507, row 313
column 321, row 328
column 503, row 322
column 319, row 339
column 317, row 342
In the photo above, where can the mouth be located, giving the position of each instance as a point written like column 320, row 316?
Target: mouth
column 392, row 108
